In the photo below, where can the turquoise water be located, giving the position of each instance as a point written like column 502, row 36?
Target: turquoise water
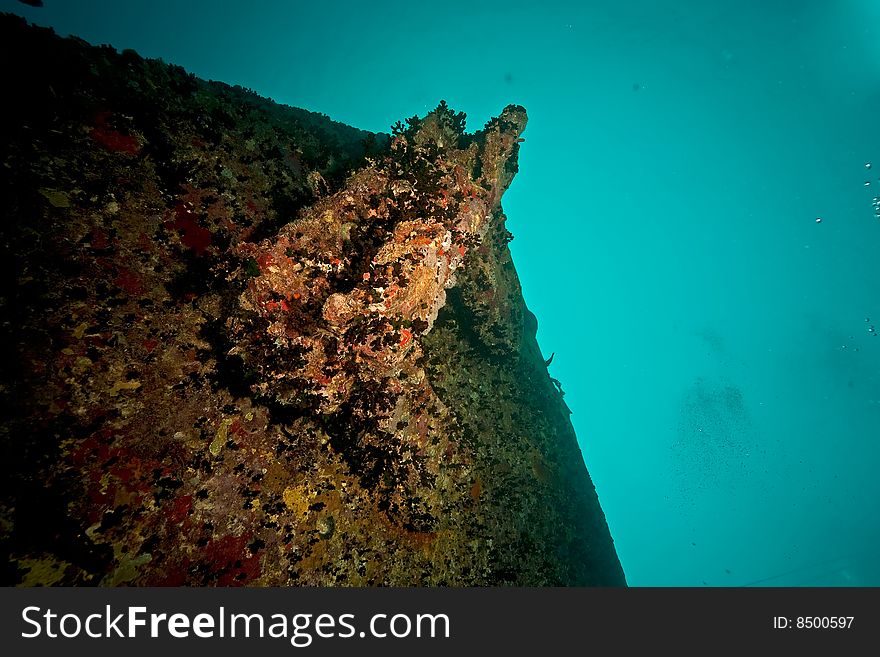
column 714, row 339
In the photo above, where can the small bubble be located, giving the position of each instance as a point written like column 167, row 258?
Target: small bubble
column 867, row 183
column 867, row 165
column 818, row 220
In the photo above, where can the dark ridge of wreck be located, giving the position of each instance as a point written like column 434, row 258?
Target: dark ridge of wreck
column 244, row 344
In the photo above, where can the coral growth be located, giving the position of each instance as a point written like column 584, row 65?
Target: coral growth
column 248, row 345
column 343, row 294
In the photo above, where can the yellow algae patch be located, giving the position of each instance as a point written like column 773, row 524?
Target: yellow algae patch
column 298, row 499
column 43, row 572
column 127, row 570
column 56, row 198
column 124, row 385
column 220, row 437
column 83, row 363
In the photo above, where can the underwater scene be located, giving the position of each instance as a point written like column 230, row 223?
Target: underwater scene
column 440, row 294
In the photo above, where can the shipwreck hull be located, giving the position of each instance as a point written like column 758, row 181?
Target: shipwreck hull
column 248, row 345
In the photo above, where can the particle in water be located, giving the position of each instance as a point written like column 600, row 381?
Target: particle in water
column 818, row 220
column 867, row 165
column 867, row 183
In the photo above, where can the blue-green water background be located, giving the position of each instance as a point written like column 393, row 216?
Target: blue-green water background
column 712, row 337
